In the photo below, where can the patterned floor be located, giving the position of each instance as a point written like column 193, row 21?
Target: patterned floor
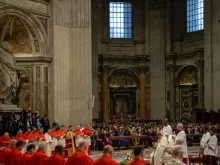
column 120, row 155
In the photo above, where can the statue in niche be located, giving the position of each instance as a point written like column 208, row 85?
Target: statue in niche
column 8, row 72
column 23, row 92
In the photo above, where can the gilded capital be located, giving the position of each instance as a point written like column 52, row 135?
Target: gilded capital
column 171, row 68
column 199, row 64
column 143, row 69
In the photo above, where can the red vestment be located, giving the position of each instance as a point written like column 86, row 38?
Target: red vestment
column 19, row 137
column 61, row 132
column 105, row 160
column 79, row 158
column 136, row 161
column 77, row 132
column 29, row 136
column 56, row 159
column 39, row 158
column 15, row 156
column 53, row 134
column 4, row 155
column 25, row 159
column 4, row 141
column 40, row 136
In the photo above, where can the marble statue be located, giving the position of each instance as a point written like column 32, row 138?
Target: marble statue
column 8, row 74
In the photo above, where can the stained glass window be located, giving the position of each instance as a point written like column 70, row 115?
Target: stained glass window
column 195, row 15
column 120, row 19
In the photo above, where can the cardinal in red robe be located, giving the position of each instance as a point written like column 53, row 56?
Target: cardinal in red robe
column 87, row 136
column 6, row 152
column 138, row 156
column 16, row 154
column 19, row 136
column 5, row 140
column 78, row 135
column 29, row 136
column 106, row 158
column 56, row 158
column 80, row 157
column 39, row 158
column 40, row 135
column 27, row 156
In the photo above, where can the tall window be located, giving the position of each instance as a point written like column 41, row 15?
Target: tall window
column 195, row 15
column 120, row 20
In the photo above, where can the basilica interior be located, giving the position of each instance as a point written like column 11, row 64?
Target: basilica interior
column 80, row 60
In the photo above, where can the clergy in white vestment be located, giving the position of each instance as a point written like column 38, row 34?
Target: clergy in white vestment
column 177, row 156
column 205, row 137
column 156, row 158
column 180, row 139
column 49, row 142
column 211, row 149
column 167, row 130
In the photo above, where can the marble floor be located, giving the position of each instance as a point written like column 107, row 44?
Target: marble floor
column 120, row 155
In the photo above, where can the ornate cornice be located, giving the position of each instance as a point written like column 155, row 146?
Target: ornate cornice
column 195, row 54
column 157, row 4
column 36, row 59
column 137, row 58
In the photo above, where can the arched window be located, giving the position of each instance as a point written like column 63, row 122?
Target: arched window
column 195, row 15
column 120, row 19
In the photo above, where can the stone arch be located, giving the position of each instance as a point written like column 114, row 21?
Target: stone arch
column 129, row 79
column 32, row 21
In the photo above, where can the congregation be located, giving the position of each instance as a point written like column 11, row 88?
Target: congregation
column 58, row 142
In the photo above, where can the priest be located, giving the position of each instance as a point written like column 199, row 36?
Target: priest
column 61, row 133
column 167, row 130
column 160, row 146
column 211, row 149
column 49, row 142
column 80, row 157
column 180, row 139
column 138, row 156
column 56, row 158
column 78, row 135
column 39, row 158
column 16, row 154
column 31, row 149
column 106, row 158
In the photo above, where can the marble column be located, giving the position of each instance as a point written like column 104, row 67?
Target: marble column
column 157, row 51
column 200, row 67
column 172, row 88
column 105, row 95
column 142, row 77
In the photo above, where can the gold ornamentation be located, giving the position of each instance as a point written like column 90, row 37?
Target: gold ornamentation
column 189, row 78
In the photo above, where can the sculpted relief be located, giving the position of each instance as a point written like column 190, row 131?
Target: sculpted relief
column 8, row 73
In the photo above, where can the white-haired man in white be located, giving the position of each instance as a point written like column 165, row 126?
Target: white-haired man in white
column 180, row 139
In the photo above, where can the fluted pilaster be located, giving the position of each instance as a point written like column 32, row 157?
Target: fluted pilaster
column 157, row 20
column 200, row 67
column 72, row 62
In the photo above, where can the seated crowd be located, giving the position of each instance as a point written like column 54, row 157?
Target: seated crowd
column 34, row 133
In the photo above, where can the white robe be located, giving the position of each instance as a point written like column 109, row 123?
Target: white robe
column 62, row 141
column 49, row 142
column 167, row 130
column 205, row 137
column 181, row 138
column 211, row 148
column 157, row 155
